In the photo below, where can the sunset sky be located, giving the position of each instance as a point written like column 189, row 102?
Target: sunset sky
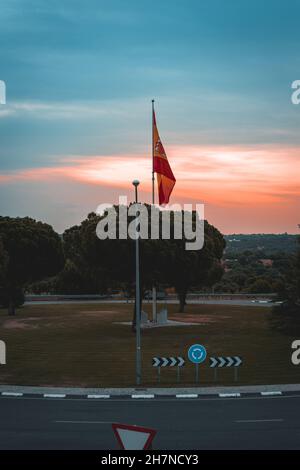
column 80, row 76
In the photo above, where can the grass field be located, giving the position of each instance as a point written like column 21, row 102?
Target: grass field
column 80, row 345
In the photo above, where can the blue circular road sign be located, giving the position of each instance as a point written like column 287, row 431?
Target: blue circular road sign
column 197, row 353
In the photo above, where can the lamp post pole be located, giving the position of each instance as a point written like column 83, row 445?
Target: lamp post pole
column 137, row 296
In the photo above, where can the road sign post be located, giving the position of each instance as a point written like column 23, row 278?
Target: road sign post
column 197, row 354
column 178, row 374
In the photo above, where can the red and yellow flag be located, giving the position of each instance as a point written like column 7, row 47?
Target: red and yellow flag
column 165, row 178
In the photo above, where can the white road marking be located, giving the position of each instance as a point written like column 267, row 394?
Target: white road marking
column 54, row 395
column 98, row 396
column 142, row 396
column 259, row 420
column 11, row 394
column 84, row 422
column 187, row 395
column 265, row 394
column 229, row 395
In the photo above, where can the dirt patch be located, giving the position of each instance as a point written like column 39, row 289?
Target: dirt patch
column 18, row 324
column 34, row 319
column 199, row 319
column 96, row 312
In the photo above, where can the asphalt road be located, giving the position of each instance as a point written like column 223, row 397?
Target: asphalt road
column 206, row 423
column 240, row 302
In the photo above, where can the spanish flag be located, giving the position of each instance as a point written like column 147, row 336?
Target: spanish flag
column 165, row 178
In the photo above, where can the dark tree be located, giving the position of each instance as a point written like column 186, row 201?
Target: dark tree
column 109, row 262
column 286, row 316
column 194, row 269
column 34, row 252
column 3, row 262
column 166, row 262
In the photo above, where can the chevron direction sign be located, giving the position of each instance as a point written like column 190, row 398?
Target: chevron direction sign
column 168, row 361
column 225, row 361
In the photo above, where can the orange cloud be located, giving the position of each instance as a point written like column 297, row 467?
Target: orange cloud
column 198, row 170
column 226, row 177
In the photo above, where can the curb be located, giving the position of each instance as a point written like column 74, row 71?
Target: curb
column 144, row 396
column 174, row 393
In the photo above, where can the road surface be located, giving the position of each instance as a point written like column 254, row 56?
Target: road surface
column 238, row 302
column 205, row 423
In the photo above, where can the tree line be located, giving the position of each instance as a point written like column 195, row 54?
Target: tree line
column 246, row 272
column 33, row 255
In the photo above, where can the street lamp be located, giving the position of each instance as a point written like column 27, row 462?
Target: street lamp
column 137, row 295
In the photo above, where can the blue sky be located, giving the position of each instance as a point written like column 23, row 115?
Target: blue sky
column 80, row 77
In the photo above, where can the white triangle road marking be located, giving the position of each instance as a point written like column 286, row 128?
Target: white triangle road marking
column 133, row 440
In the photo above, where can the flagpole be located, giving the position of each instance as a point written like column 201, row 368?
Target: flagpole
column 153, row 178
column 154, row 312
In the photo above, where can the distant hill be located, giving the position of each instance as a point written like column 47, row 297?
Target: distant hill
column 266, row 243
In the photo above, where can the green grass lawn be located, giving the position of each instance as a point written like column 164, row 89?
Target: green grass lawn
column 64, row 345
